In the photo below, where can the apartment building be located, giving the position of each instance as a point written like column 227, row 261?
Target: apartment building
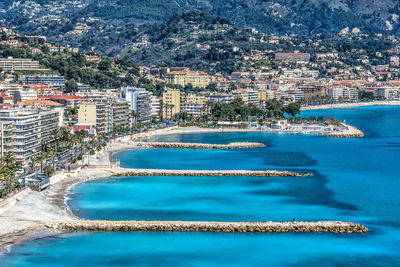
column 7, row 134
column 55, row 82
column 119, row 113
column 15, row 64
column 155, row 107
column 185, row 77
column 171, row 103
column 31, row 128
column 94, row 114
column 390, row 93
column 139, row 101
column 193, row 104
column 103, row 116
column 248, row 96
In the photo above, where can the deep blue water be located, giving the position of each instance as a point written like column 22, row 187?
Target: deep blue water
column 353, row 180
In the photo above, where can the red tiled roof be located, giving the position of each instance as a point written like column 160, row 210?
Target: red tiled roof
column 39, row 102
column 59, row 97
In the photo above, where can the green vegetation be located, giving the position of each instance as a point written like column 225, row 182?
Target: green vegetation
column 76, row 69
column 8, row 168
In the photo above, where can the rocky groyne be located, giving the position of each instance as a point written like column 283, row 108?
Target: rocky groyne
column 229, row 227
column 235, row 145
column 156, row 172
column 347, row 131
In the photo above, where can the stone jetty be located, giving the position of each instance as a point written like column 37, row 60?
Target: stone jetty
column 235, row 145
column 347, row 132
column 156, row 172
column 228, row 227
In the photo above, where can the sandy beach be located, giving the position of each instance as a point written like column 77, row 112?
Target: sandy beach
column 352, row 105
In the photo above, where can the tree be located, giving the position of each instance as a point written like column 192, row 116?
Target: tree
column 48, row 170
column 32, row 164
column 53, row 156
column 104, row 65
column 71, row 86
column 292, row 109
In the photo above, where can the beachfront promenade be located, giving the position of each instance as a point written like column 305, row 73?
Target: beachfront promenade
column 226, row 227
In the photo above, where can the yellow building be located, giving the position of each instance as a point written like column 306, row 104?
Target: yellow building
column 94, row 114
column 185, row 77
column 171, row 103
column 262, row 95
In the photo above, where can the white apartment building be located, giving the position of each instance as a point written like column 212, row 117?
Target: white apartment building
column 155, row 107
column 32, row 127
column 334, row 92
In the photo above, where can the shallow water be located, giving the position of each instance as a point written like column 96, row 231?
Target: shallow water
column 353, row 180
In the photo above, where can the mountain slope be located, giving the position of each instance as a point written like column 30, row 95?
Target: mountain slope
column 302, row 17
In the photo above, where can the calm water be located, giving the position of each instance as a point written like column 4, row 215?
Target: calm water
column 353, row 180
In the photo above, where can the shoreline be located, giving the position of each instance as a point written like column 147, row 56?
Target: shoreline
column 351, row 105
column 25, row 214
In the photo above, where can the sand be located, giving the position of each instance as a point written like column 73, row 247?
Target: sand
column 350, row 105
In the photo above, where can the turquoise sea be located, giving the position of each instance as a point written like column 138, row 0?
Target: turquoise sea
column 353, row 180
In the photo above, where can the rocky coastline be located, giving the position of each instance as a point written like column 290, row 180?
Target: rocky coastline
column 227, row 227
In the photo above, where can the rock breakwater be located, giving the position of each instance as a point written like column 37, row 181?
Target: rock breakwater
column 228, row 227
column 156, row 172
column 235, row 145
column 347, row 132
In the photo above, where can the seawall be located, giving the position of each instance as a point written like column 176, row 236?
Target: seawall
column 235, row 145
column 156, row 172
column 229, row 227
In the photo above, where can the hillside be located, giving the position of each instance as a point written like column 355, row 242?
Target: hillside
column 75, row 67
column 302, row 17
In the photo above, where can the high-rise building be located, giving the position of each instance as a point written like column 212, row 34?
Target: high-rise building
column 32, row 127
column 7, row 134
column 171, row 103
column 120, row 113
column 104, row 117
column 139, row 102
column 94, row 114
column 155, row 107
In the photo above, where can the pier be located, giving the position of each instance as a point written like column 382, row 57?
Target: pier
column 235, row 145
column 227, row 227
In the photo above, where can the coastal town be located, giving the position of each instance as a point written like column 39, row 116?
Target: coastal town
column 65, row 111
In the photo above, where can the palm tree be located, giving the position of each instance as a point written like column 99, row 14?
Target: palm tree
column 32, row 164
column 40, row 158
column 53, row 155
column 65, row 136
column 8, row 159
column 56, row 135
column 134, row 116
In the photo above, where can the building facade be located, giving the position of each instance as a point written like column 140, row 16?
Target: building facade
column 32, row 127
column 185, row 77
column 15, row 64
column 171, row 103
column 139, row 101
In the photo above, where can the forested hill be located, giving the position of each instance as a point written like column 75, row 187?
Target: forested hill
column 271, row 16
